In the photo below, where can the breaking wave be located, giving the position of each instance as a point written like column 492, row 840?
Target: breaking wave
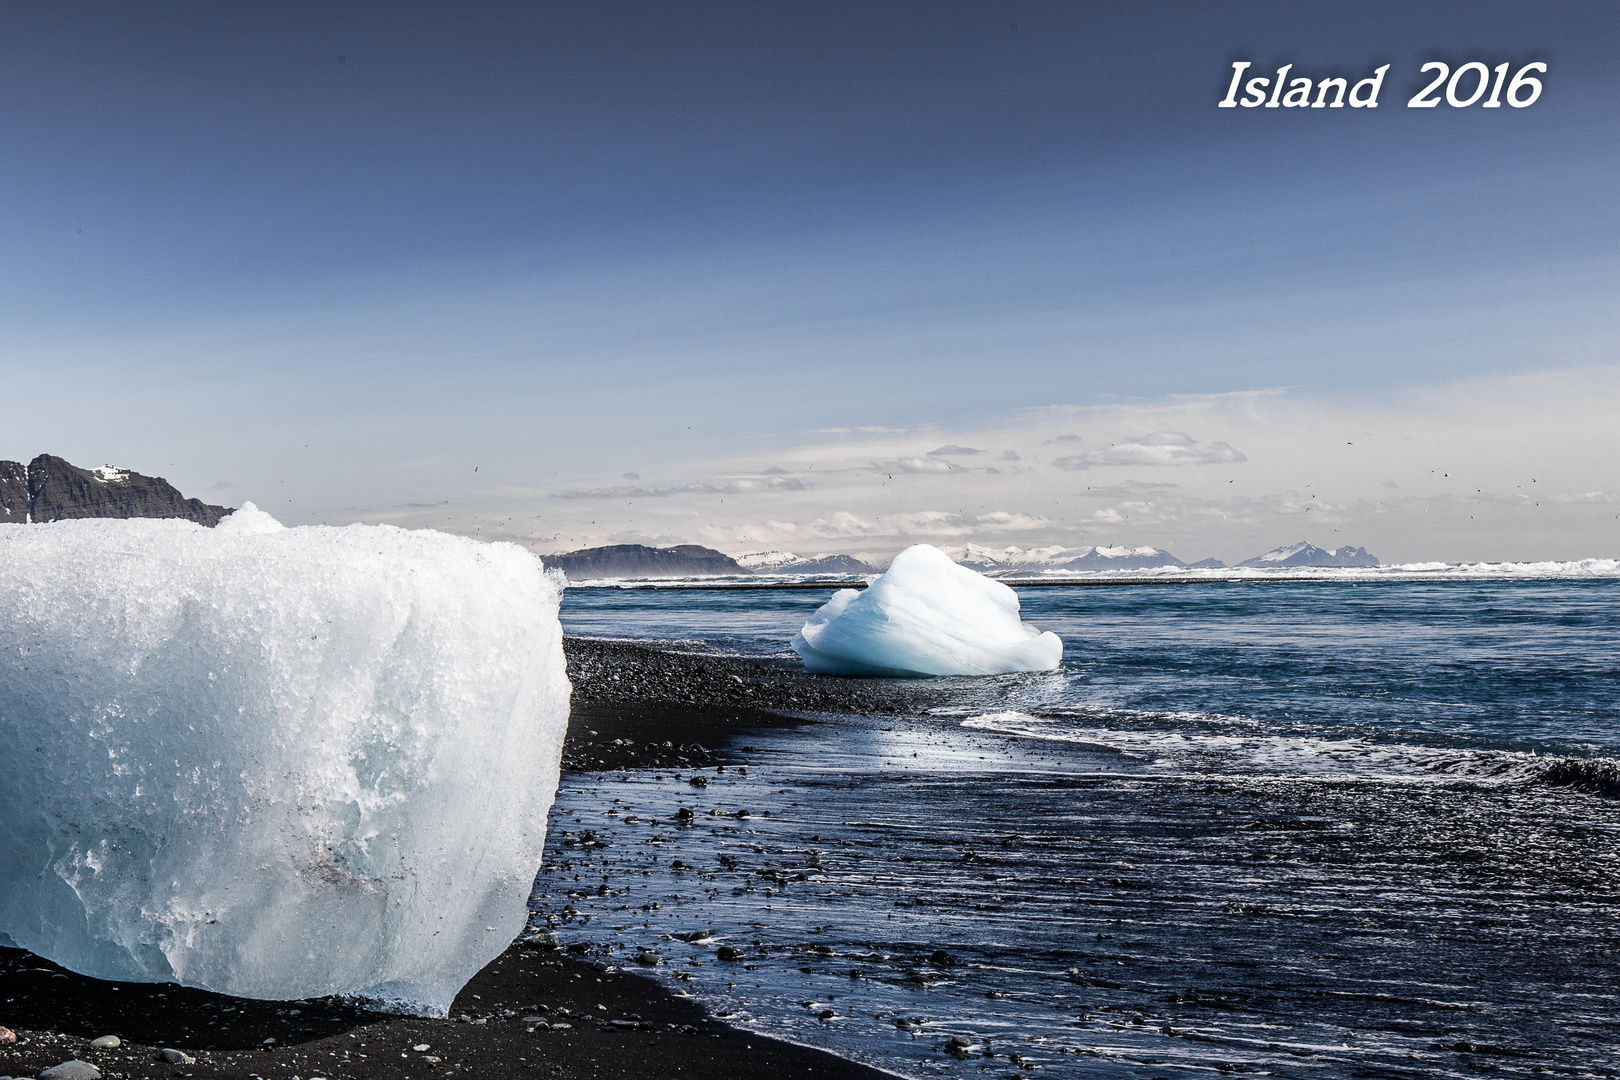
column 1574, row 569
column 1601, row 776
column 1210, row 744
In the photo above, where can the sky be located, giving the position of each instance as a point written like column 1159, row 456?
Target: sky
column 823, row 277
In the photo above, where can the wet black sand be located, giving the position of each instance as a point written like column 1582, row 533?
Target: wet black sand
column 527, row 1013
column 531, row 1010
column 631, row 700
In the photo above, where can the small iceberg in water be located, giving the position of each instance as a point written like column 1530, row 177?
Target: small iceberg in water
column 925, row 615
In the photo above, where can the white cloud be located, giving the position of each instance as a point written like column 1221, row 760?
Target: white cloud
column 1509, row 468
column 734, row 487
column 1003, row 520
column 914, row 465
column 1159, row 448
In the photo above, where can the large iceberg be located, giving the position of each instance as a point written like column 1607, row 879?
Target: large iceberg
column 271, row 762
column 925, row 615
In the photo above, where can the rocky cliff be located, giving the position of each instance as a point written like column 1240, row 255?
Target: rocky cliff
column 51, row 489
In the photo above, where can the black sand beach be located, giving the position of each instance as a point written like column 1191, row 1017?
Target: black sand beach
column 531, row 1008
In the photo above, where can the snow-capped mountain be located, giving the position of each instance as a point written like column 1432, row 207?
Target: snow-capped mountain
column 1056, row 557
column 785, row 562
column 1122, row 558
column 1304, row 554
column 982, row 558
column 765, row 562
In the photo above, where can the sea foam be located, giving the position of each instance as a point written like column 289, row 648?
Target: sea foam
column 276, row 763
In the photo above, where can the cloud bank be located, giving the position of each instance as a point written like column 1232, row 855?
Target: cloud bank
column 1159, row 448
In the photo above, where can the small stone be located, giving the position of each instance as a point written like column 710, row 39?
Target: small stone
column 71, row 1070
column 648, row 958
column 176, row 1057
column 7, row 1035
column 729, row 952
column 941, row 958
column 421, row 1048
column 107, row 1042
column 827, row 1014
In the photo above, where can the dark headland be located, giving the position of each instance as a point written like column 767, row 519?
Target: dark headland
column 533, row 1010
column 49, row 488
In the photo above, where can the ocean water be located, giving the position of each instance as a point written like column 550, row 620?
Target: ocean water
column 1341, row 827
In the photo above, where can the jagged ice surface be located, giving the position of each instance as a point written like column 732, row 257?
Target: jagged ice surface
column 925, row 615
column 271, row 762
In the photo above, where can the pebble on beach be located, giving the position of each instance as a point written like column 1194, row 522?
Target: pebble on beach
column 71, row 1070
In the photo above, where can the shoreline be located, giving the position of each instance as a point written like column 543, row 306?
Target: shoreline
column 641, row 706
column 635, row 707
column 527, row 1010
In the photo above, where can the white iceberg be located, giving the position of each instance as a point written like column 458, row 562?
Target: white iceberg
column 925, row 615
column 277, row 763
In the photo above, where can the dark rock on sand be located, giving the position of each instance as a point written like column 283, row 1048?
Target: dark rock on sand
column 71, row 1070
column 501, row 1036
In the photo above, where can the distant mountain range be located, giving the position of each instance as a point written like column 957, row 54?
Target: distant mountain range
column 785, row 562
column 1061, row 558
column 690, row 560
column 51, row 489
column 1303, row 554
column 641, row 561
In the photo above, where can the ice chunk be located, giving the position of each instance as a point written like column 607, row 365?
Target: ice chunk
column 249, row 520
column 925, row 616
column 274, row 762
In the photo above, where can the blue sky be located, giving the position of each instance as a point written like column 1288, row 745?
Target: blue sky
column 333, row 260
